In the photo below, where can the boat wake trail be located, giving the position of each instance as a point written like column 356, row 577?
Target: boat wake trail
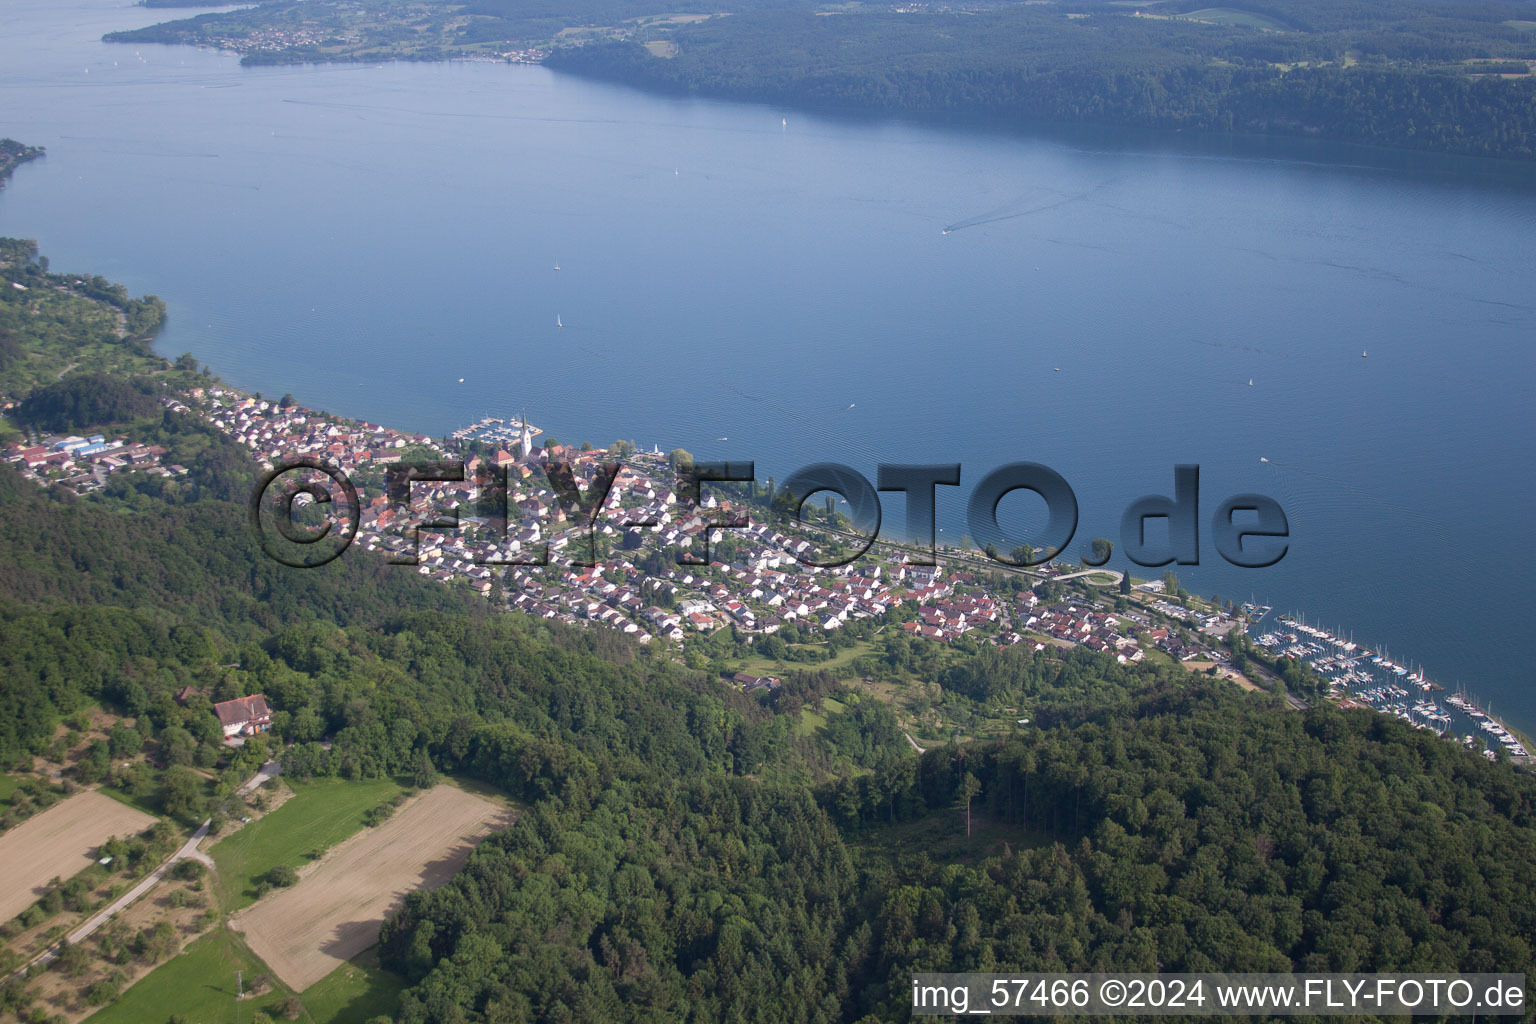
column 1036, row 200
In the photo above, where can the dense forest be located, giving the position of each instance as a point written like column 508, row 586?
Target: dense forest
column 1393, row 77
column 1452, row 76
column 1183, row 831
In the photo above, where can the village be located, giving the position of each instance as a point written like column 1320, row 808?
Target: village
column 756, row 583
column 637, row 586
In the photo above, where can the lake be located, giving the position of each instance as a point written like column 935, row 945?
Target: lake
column 754, row 283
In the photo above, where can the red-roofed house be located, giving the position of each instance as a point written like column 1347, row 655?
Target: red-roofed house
column 245, row 716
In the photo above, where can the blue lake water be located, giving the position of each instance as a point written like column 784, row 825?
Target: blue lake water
column 364, row 236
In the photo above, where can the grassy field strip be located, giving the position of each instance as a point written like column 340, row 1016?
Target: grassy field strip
column 1229, row 16
column 199, row 985
column 354, row 993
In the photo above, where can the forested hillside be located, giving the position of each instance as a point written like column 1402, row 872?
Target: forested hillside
column 1389, row 74
column 1185, row 831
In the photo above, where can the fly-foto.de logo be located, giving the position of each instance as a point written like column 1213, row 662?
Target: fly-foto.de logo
column 1248, row 530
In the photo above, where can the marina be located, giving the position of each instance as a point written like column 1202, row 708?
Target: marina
column 1360, row 676
column 496, row 430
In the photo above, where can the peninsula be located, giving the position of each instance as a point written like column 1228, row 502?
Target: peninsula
column 13, row 154
column 1450, row 78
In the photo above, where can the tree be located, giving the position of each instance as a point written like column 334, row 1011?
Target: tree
column 72, row 959
column 177, row 746
column 1125, row 582
column 282, row 876
column 188, row 869
column 123, row 741
column 681, row 461
column 1102, row 547
column 186, row 362
column 1171, row 583
column 970, row 785
column 424, row 775
column 101, row 993
column 157, row 943
column 182, row 793
column 87, row 400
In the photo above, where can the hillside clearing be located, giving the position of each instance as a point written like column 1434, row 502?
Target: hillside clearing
column 334, row 911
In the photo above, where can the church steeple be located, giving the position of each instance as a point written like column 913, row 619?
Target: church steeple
column 525, row 444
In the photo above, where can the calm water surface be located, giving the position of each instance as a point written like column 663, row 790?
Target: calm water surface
column 364, row 236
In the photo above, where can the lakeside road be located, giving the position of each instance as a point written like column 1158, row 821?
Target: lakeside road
column 1118, row 576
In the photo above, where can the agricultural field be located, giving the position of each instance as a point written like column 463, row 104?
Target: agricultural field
column 58, row 843
column 319, row 815
column 333, row 912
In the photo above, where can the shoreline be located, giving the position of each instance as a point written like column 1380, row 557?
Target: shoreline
column 13, row 154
